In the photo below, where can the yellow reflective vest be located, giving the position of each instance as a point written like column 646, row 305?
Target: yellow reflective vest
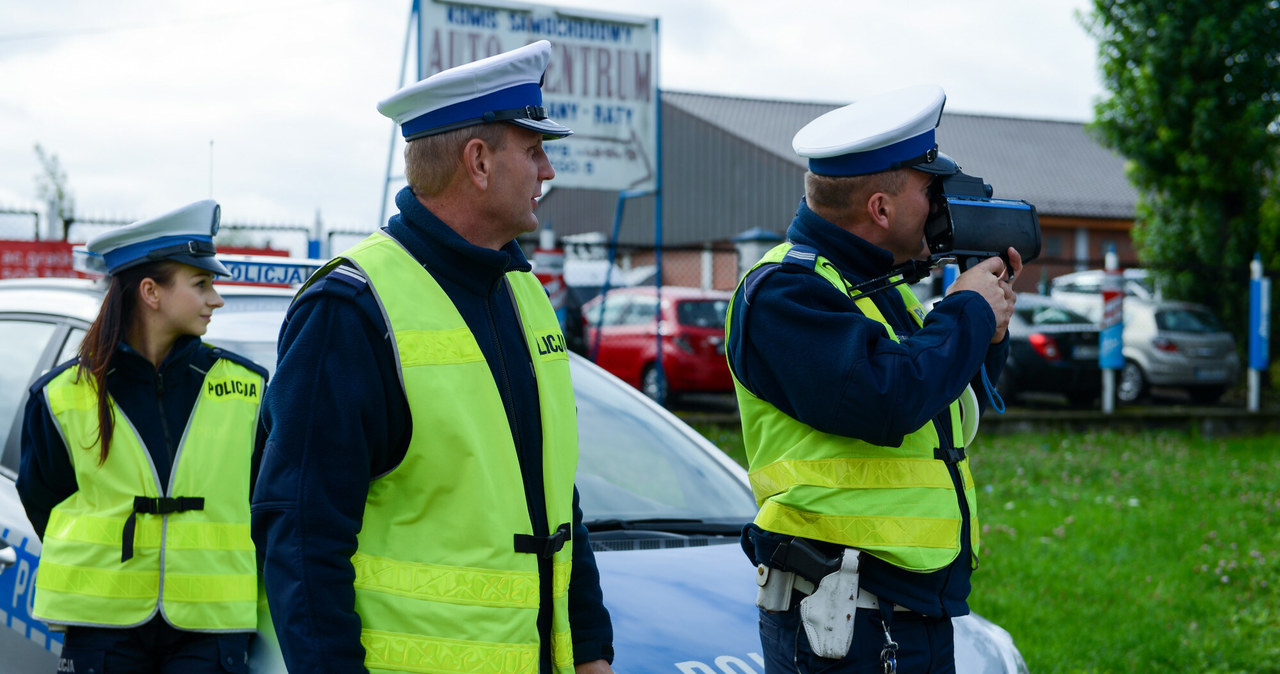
column 899, row 504
column 440, row 583
column 189, row 554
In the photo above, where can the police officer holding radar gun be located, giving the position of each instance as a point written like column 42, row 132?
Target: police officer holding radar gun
column 416, row 502
column 857, row 407
column 137, row 465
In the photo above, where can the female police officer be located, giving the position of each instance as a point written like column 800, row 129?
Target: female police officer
column 137, row 459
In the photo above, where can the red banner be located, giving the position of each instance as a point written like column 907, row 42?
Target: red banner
column 28, row 259
column 25, row 259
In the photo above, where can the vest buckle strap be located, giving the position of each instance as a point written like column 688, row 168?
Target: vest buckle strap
column 949, row 455
column 146, row 505
column 544, row 547
column 165, row 505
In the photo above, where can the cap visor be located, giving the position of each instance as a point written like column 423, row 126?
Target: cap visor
column 205, row 262
column 548, row 128
column 942, row 165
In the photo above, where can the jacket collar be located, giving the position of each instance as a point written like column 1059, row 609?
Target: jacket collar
column 444, row 252
column 127, row 360
column 850, row 253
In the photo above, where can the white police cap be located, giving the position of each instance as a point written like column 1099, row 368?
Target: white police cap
column 505, row 87
column 881, row 133
column 184, row 235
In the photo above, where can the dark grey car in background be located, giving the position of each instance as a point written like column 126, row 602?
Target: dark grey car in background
column 1052, row 350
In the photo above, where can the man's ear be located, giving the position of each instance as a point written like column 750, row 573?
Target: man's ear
column 477, row 162
column 880, row 210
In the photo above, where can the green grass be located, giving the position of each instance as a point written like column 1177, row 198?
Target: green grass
column 1136, row 552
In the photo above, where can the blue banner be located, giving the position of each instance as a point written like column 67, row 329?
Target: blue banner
column 1259, row 323
column 1111, row 347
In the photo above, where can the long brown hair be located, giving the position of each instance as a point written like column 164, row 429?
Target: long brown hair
column 115, row 319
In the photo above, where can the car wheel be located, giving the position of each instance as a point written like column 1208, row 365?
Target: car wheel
column 1132, row 384
column 652, row 387
column 1206, row 395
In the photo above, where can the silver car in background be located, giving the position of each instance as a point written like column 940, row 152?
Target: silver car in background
column 1178, row 345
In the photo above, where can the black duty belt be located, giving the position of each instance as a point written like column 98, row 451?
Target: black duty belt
column 154, row 506
column 804, row 559
column 544, row 546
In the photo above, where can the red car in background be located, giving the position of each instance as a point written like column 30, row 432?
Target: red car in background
column 621, row 333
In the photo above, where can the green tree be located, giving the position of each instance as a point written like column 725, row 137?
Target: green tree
column 1194, row 99
column 51, row 187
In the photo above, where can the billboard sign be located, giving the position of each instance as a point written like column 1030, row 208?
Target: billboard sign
column 602, row 81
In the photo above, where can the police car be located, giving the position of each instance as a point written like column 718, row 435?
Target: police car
column 664, row 505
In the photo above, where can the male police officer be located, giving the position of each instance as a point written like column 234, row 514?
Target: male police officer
column 855, row 404
column 416, row 503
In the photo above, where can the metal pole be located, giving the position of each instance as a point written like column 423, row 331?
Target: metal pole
column 391, row 145
column 608, row 270
column 657, row 245
column 1111, row 355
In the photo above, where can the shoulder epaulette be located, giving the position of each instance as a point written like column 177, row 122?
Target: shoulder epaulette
column 47, row 377
column 349, row 274
column 801, row 255
column 219, row 352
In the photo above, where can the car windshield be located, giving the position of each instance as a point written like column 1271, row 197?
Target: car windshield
column 702, row 313
column 634, row 464
column 1187, row 320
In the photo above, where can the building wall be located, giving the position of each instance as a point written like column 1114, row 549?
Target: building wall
column 685, row 267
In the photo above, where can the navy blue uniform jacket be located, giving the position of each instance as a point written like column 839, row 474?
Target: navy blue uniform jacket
column 799, row 343
column 338, row 418
column 157, row 400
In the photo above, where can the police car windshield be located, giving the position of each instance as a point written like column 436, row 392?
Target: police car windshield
column 636, row 466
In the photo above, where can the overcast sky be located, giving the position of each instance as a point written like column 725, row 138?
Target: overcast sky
column 268, row 106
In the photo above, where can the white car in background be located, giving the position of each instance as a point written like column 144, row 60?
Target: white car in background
column 1081, row 291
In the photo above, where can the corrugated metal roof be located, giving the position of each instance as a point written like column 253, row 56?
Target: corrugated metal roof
column 728, row 166
column 1055, row 165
